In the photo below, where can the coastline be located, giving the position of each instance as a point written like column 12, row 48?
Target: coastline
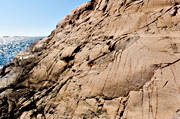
column 10, row 46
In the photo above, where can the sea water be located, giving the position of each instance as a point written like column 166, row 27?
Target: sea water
column 10, row 46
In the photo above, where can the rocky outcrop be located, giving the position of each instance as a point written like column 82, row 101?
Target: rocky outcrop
column 108, row 59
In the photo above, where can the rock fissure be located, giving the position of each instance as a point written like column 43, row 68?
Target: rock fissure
column 106, row 59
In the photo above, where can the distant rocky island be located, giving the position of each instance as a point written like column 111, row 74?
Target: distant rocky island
column 107, row 59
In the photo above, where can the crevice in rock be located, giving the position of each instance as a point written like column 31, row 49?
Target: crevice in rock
column 32, row 101
column 148, row 24
column 175, row 11
column 124, row 103
column 31, row 104
column 164, row 65
column 3, row 71
column 132, row 2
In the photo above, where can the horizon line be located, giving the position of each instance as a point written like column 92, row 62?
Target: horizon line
column 24, row 35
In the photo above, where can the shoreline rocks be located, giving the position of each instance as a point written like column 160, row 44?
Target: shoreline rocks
column 107, row 59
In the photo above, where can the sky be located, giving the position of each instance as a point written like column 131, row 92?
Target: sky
column 33, row 17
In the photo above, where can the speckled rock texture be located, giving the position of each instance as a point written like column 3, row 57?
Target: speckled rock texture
column 107, row 59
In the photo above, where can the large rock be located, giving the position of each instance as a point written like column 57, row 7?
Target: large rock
column 108, row 59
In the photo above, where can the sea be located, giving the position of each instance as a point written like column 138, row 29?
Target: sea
column 10, row 46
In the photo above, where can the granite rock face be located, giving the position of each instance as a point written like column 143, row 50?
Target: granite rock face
column 107, row 59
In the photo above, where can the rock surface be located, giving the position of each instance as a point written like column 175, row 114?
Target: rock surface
column 107, row 59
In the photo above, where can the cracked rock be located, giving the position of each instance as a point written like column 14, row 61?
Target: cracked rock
column 107, row 59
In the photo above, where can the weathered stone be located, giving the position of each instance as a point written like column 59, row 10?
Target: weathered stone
column 107, row 59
